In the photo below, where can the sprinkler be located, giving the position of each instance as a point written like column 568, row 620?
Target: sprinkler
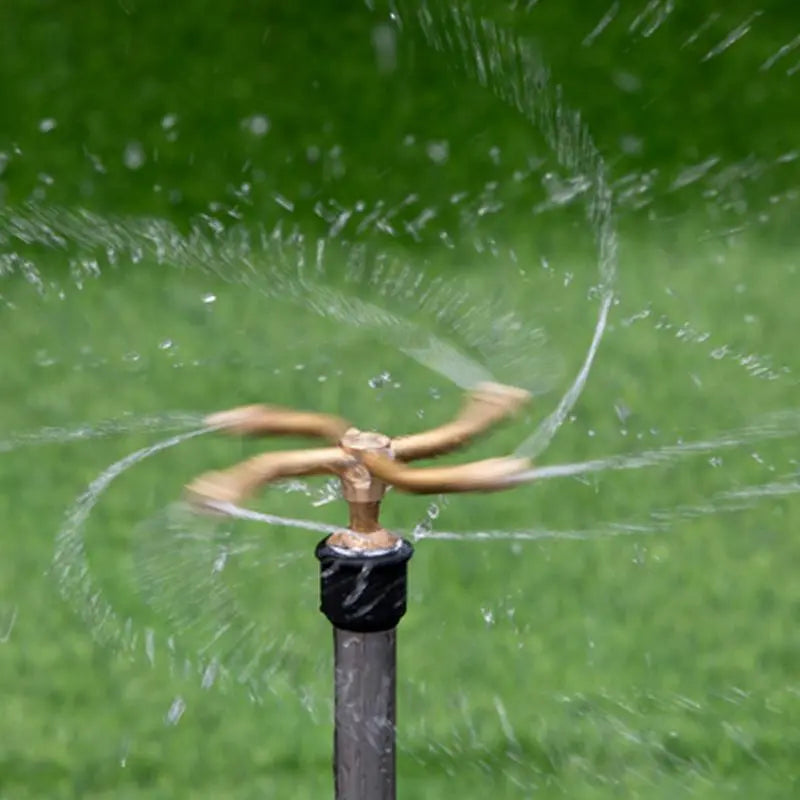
column 363, row 568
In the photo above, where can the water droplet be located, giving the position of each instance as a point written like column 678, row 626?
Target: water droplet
column 384, row 42
column 631, row 145
column 219, row 562
column 627, row 81
column 209, row 298
column 210, row 675
column 165, row 345
column 175, row 712
column 379, row 381
column 421, row 529
column 44, row 359
column 134, row 156
column 169, row 121
column 123, row 753
column 257, row 124
column 622, row 411
column 47, row 124
column 488, row 615
column 150, row 646
column 328, row 493
column 438, row 152
column 283, row 202
column 562, row 191
column 719, row 352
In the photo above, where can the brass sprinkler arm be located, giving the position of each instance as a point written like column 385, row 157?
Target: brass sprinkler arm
column 261, row 420
column 487, row 405
column 366, row 462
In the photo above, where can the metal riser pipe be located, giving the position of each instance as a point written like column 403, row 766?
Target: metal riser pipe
column 364, row 738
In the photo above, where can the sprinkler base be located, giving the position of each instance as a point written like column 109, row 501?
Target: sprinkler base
column 363, row 592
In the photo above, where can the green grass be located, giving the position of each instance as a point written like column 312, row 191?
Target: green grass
column 656, row 665
column 651, row 665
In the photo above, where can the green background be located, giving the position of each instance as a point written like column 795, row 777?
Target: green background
column 586, row 663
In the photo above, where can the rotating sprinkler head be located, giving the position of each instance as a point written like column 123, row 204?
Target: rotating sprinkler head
column 366, row 462
column 363, row 568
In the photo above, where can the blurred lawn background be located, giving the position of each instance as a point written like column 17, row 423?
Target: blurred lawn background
column 649, row 665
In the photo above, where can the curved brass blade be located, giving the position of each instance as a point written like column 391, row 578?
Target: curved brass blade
column 492, row 474
column 264, row 420
column 235, row 484
column 486, row 406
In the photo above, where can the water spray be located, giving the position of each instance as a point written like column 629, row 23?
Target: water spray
column 363, row 568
